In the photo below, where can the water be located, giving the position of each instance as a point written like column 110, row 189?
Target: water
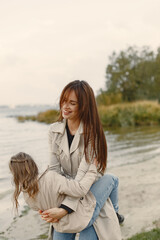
column 30, row 137
column 125, row 146
column 132, row 145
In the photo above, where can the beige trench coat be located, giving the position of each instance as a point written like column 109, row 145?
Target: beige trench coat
column 67, row 161
column 53, row 188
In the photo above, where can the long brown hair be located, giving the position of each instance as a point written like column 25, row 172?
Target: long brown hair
column 25, row 175
column 94, row 139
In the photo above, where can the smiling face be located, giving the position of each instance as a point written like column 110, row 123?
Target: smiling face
column 69, row 107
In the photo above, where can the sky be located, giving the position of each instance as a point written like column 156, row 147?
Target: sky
column 45, row 44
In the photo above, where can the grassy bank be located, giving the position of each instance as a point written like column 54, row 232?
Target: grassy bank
column 48, row 116
column 142, row 113
column 151, row 235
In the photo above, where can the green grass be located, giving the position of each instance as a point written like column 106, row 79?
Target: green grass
column 151, row 235
column 142, row 113
column 43, row 236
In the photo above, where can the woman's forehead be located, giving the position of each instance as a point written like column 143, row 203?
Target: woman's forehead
column 70, row 95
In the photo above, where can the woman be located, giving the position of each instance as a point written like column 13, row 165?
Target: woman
column 49, row 189
column 78, row 134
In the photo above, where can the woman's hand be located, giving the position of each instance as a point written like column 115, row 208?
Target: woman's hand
column 53, row 215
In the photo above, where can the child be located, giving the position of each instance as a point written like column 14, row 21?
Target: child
column 49, row 189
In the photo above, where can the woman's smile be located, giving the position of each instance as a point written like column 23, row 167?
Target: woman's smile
column 66, row 112
column 70, row 107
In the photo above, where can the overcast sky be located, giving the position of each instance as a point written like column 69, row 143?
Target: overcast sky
column 46, row 44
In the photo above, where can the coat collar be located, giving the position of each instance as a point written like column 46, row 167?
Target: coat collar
column 59, row 127
column 62, row 140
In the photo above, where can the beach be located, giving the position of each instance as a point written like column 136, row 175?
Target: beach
column 139, row 195
column 133, row 156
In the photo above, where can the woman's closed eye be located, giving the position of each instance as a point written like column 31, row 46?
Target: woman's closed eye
column 73, row 102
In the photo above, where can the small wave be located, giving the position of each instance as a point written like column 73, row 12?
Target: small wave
column 3, row 179
column 5, row 193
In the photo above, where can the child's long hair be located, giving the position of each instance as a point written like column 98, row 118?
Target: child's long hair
column 94, row 138
column 25, row 175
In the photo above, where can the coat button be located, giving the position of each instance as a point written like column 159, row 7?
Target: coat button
column 81, row 198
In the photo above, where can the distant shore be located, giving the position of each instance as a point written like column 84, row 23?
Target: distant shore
column 138, row 199
column 141, row 113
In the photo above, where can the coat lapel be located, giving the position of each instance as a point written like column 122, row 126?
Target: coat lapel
column 62, row 140
column 63, row 144
column 76, row 138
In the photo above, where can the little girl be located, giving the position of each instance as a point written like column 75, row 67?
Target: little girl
column 49, row 189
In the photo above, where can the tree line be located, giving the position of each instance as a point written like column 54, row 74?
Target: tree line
column 132, row 74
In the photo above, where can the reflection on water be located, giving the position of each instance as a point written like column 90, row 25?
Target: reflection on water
column 131, row 145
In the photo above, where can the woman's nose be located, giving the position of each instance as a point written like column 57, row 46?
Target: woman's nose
column 66, row 105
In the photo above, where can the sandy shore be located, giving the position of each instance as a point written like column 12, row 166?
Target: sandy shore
column 139, row 196
column 139, row 200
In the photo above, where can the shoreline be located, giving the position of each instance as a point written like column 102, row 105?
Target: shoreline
column 120, row 115
column 139, row 196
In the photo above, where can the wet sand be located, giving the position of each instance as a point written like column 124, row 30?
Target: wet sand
column 139, row 200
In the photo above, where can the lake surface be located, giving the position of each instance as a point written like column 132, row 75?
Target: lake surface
column 125, row 146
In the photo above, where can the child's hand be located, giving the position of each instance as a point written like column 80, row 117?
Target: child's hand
column 53, row 215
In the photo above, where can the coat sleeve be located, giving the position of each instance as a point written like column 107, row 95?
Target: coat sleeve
column 82, row 170
column 77, row 189
column 53, row 161
column 69, row 201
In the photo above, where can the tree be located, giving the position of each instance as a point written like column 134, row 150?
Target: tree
column 134, row 73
